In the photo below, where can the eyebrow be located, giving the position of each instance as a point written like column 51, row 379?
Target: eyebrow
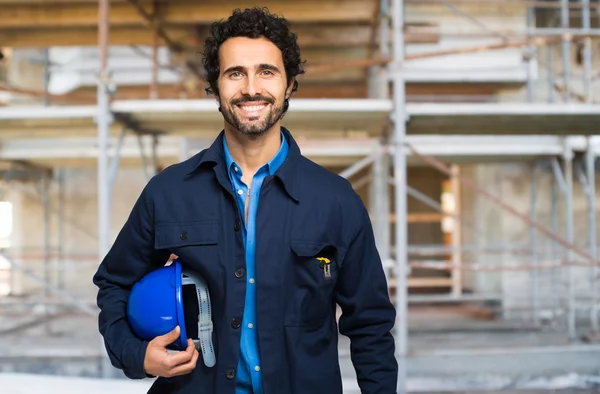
column 234, row 68
column 266, row 66
column 262, row 66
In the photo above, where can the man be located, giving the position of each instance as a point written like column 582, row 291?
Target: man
column 279, row 240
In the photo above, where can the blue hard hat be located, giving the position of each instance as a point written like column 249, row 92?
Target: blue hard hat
column 155, row 305
column 169, row 297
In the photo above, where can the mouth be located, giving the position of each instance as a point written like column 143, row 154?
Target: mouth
column 252, row 108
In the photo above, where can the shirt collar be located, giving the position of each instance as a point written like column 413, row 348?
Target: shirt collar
column 286, row 172
column 272, row 166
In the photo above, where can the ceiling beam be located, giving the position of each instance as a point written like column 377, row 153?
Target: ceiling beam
column 85, row 14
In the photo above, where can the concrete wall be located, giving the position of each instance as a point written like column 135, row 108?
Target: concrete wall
column 79, row 227
column 495, row 226
column 550, row 63
column 480, row 227
column 462, row 28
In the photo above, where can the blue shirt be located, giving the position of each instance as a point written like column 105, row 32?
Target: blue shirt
column 249, row 379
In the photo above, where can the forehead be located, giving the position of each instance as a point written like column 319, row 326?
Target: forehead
column 248, row 52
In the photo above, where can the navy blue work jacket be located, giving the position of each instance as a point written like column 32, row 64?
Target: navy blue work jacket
column 306, row 213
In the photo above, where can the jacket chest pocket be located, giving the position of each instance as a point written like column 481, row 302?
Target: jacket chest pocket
column 314, row 269
column 184, row 238
column 315, row 263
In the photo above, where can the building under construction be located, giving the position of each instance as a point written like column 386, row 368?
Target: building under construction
column 467, row 126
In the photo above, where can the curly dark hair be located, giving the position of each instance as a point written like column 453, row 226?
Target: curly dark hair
column 252, row 23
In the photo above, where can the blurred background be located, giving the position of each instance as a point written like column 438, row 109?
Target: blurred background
column 469, row 128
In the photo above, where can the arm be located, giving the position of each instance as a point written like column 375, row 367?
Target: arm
column 367, row 313
column 131, row 257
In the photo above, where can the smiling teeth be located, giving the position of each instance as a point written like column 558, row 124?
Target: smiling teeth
column 253, row 108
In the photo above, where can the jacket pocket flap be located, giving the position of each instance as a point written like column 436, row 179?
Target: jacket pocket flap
column 311, row 249
column 327, row 249
column 186, row 233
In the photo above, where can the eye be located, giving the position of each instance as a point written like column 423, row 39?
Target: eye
column 267, row 72
column 235, row 74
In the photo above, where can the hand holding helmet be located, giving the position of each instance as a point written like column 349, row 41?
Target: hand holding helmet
column 170, row 308
column 159, row 362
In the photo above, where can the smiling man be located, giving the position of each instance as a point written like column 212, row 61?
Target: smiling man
column 280, row 241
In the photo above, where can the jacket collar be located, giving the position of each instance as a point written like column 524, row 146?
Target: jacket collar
column 214, row 157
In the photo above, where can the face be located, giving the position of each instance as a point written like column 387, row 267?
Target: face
column 252, row 84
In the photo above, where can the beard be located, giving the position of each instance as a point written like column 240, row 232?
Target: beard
column 255, row 125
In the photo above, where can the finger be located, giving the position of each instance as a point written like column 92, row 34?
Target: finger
column 186, row 368
column 169, row 337
column 182, row 357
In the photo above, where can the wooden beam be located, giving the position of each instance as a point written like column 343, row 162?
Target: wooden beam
column 305, row 90
column 329, row 35
column 332, row 90
column 51, row 131
column 86, row 36
column 429, row 282
column 58, row 98
column 164, row 160
column 423, row 282
column 457, row 273
column 502, row 3
column 342, row 89
column 459, row 88
column 336, row 66
column 50, row 14
column 420, row 217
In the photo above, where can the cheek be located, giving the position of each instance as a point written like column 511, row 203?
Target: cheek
column 227, row 91
column 276, row 89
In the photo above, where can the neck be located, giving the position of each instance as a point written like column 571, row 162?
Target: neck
column 253, row 151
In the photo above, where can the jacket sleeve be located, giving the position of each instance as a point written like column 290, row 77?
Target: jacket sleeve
column 368, row 315
column 131, row 257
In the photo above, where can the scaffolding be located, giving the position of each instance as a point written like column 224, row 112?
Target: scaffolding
column 564, row 149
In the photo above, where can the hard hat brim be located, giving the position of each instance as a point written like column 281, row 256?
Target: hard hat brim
column 181, row 342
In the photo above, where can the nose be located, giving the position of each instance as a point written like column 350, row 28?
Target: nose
column 251, row 87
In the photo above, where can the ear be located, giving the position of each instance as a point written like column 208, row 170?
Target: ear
column 288, row 91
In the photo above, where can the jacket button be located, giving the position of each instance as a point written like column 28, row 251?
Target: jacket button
column 236, row 323
column 231, row 374
column 239, row 273
column 183, row 235
column 237, row 226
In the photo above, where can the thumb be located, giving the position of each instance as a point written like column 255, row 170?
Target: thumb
column 169, row 337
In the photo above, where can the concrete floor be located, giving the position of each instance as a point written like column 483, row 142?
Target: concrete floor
column 568, row 391
column 450, row 353
column 33, row 384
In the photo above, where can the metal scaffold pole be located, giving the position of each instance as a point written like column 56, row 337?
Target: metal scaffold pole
column 587, row 50
column 534, row 279
column 531, row 55
column 104, row 120
column 590, row 161
column 570, row 235
column 400, row 182
column 566, row 50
